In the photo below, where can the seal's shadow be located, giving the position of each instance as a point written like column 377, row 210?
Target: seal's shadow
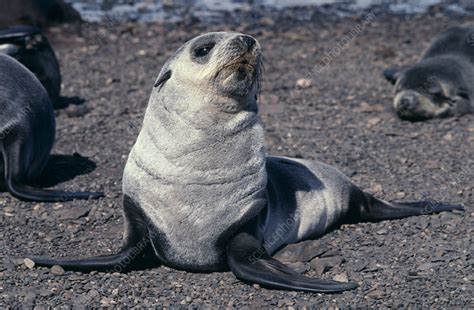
column 62, row 168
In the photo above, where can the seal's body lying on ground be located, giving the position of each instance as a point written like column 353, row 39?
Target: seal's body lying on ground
column 27, row 131
column 200, row 193
column 441, row 83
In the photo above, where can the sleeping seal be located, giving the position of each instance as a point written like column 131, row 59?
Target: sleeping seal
column 200, row 194
column 440, row 84
column 27, row 130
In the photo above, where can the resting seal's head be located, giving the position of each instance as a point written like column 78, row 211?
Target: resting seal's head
column 215, row 72
column 430, row 89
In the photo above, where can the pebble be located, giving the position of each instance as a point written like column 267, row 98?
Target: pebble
column 299, row 267
column 77, row 110
column 29, row 263
column 341, row 277
column 303, row 83
column 57, row 270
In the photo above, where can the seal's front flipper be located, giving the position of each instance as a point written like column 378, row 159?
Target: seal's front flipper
column 378, row 210
column 28, row 193
column 131, row 258
column 250, row 262
column 392, row 74
column 136, row 254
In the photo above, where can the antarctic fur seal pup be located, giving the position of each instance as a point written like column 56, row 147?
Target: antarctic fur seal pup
column 200, row 194
column 441, row 83
column 40, row 13
column 27, row 131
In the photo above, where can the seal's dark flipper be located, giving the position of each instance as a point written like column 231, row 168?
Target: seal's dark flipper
column 391, row 74
column 138, row 257
column 137, row 253
column 250, row 262
column 28, row 193
column 378, row 210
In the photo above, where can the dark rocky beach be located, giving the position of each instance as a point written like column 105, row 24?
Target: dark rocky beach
column 342, row 117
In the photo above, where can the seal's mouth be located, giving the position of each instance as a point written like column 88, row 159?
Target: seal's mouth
column 242, row 73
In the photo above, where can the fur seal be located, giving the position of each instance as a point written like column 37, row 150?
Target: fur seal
column 440, row 84
column 27, row 131
column 30, row 47
column 200, row 194
column 40, row 13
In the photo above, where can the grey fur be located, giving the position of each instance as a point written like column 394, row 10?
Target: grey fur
column 198, row 167
column 27, row 115
column 440, row 84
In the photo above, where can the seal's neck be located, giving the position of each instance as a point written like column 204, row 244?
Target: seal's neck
column 172, row 146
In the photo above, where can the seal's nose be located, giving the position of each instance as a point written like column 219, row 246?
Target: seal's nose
column 248, row 41
column 407, row 103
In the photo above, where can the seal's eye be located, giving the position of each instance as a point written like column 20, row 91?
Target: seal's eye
column 203, row 50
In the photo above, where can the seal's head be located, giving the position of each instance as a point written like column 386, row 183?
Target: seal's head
column 218, row 68
column 429, row 90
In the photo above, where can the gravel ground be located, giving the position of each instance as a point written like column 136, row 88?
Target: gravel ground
column 343, row 119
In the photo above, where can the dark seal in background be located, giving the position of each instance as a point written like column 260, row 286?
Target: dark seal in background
column 40, row 13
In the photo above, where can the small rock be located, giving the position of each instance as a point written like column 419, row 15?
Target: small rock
column 77, row 110
column 448, row 137
column 105, row 302
column 302, row 251
column 142, row 53
column 74, row 213
column 427, row 266
column 303, row 83
column 57, row 270
column 365, row 107
column 93, row 293
column 376, row 294
column 299, row 267
column 376, row 188
column 29, row 263
column 342, row 277
column 385, row 52
column 321, row 265
column 400, row 195
column 373, row 121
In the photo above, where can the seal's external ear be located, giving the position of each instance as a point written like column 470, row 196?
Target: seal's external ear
column 163, row 78
column 392, row 74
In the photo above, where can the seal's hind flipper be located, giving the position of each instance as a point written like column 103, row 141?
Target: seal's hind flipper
column 250, row 262
column 378, row 210
column 28, row 193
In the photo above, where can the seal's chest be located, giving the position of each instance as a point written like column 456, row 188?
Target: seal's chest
column 194, row 238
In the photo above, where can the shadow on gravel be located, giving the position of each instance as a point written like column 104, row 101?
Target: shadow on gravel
column 62, row 168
